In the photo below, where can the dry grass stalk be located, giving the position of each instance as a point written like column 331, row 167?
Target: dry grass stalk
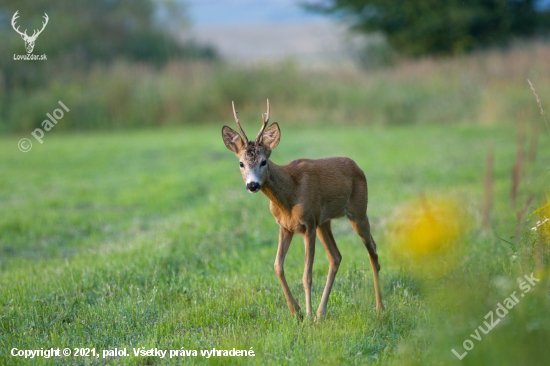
column 488, row 188
column 533, row 143
column 536, row 96
column 519, row 215
column 517, row 170
column 539, row 103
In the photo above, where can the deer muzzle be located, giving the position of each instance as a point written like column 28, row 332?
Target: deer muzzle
column 253, row 187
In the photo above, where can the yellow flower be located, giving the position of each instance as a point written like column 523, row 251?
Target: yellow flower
column 424, row 236
column 542, row 225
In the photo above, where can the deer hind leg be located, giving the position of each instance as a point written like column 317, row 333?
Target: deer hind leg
column 356, row 212
column 362, row 228
column 285, row 237
column 357, row 215
column 334, row 258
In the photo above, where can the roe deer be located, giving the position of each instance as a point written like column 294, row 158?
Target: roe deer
column 305, row 196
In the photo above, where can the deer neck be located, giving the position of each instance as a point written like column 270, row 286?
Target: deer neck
column 279, row 187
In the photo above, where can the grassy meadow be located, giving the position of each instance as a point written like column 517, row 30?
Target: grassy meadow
column 487, row 88
column 130, row 226
column 148, row 238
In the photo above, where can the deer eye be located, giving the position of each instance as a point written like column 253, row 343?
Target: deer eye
column 241, row 164
column 263, row 163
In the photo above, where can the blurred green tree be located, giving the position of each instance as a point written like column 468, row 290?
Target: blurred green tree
column 424, row 27
column 82, row 32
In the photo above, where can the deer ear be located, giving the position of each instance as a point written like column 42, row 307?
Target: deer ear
column 272, row 136
column 232, row 139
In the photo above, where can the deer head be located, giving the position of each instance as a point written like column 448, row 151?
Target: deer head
column 29, row 41
column 253, row 155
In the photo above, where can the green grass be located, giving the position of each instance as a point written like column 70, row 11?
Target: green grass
column 486, row 88
column 149, row 239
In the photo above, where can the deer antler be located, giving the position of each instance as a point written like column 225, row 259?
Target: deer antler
column 34, row 35
column 15, row 16
column 265, row 120
column 239, row 125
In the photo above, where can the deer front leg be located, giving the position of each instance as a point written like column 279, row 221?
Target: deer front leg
column 285, row 237
column 309, row 241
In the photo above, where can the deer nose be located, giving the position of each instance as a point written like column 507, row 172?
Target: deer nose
column 253, row 186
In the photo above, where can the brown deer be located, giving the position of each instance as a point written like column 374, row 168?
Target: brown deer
column 305, row 196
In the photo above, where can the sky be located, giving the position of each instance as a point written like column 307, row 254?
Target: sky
column 208, row 13
column 266, row 30
column 270, row 29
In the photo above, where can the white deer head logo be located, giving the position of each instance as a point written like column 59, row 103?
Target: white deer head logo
column 29, row 41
